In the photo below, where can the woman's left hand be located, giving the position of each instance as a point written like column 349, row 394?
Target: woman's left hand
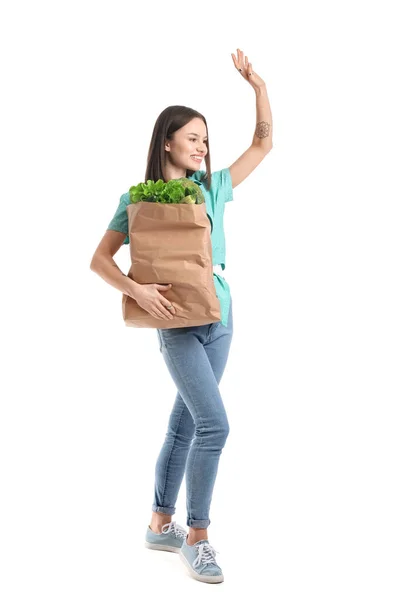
column 246, row 70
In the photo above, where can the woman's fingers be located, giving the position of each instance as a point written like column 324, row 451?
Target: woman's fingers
column 240, row 58
column 164, row 311
column 237, row 58
column 158, row 314
column 241, row 62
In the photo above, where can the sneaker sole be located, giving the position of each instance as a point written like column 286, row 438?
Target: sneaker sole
column 161, row 547
column 195, row 575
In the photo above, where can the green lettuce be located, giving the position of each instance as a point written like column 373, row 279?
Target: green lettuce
column 174, row 191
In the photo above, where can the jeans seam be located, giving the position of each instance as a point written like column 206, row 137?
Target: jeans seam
column 160, row 341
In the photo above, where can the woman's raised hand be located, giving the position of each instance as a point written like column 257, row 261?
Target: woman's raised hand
column 246, row 70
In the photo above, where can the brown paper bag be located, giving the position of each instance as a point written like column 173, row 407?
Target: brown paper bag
column 171, row 243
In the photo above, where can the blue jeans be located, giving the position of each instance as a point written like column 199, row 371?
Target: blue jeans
column 198, row 424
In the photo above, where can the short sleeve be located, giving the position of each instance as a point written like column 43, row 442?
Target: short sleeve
column 223, row 182
column 119, row 222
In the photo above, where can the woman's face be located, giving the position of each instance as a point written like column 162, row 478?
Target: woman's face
column 188, row 148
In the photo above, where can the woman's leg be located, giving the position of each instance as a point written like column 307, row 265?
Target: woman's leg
column 217, row 349
column 196, row 358
column 171, row 463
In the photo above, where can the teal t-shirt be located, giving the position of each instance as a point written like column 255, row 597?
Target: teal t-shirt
column 215, row 199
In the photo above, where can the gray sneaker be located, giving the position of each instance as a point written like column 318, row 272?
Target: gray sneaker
column 170, row 539
column 200, row 561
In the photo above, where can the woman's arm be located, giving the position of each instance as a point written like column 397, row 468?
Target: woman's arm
column 263, row 133
column 104, row 265
column 262, row 138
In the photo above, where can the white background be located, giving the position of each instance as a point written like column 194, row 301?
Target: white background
column 306, row 500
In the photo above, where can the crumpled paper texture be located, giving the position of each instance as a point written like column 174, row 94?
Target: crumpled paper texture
column 171, row 243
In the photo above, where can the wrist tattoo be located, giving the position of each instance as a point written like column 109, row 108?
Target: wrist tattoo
column 262, row 129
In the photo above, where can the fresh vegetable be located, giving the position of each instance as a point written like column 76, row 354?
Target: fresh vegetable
column 174, row 191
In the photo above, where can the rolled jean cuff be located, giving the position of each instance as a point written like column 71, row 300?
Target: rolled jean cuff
column 198, row 523
column 168, row 510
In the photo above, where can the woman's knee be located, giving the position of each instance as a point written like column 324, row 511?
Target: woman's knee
column 217, row 430
column 223, row 432
column 225, row 429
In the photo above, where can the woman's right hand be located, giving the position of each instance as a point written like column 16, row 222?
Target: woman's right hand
column 148, row 296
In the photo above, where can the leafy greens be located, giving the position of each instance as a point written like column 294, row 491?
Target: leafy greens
column 174, row 191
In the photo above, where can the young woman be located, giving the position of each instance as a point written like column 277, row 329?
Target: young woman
column 195, row 356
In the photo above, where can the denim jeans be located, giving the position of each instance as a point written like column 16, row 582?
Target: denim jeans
column 198, row 425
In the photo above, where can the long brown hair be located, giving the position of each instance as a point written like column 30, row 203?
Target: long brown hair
column 169, row 120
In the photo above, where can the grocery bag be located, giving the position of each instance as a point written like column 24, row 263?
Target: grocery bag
column 171, row 243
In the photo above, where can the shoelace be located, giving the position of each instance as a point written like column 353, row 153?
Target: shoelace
column 173, row 527
column 206, row 555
